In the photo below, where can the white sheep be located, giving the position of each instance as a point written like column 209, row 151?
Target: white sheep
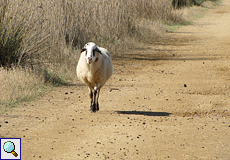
column 94, row 69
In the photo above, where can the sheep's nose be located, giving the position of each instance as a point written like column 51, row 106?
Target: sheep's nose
column 89, row 60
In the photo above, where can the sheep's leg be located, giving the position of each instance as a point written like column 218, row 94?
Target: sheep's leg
column 93, row 95
column 92, row 102
column 97, row 106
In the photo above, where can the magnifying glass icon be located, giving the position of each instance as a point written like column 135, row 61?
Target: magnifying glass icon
column 9, row 147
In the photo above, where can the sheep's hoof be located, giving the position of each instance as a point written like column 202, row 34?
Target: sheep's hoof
column 93, row 108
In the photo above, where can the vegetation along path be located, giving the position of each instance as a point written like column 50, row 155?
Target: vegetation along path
column 169, row 100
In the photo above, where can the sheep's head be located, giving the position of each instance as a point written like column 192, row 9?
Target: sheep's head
column 90, row 50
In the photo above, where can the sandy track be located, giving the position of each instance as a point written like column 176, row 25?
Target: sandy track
column 169, row 100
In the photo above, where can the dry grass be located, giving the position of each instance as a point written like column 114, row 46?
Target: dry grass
column 46, row 35
column 22, row 35
column 18, row 85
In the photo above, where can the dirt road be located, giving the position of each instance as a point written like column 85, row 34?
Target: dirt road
column 169, row 100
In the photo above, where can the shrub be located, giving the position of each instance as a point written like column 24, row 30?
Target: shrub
column 22, row 36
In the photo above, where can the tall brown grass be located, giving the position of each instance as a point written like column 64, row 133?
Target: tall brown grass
column 18, row 85
column 46, row 35
column 42, row 30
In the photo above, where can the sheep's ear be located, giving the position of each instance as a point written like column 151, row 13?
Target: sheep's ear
column 84, row 49
column 97, row 50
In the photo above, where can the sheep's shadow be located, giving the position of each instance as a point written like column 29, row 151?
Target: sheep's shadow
column 145, row 113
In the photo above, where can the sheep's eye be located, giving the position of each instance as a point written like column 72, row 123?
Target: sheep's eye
column 94, row 53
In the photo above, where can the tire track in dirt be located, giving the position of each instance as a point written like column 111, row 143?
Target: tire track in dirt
column 168, row 101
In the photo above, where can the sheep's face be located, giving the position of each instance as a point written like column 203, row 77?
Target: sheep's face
column 90, row 50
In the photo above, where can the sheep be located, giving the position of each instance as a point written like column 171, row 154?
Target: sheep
column 94, row 69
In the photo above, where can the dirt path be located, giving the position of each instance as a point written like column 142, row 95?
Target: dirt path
column 170, row 100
